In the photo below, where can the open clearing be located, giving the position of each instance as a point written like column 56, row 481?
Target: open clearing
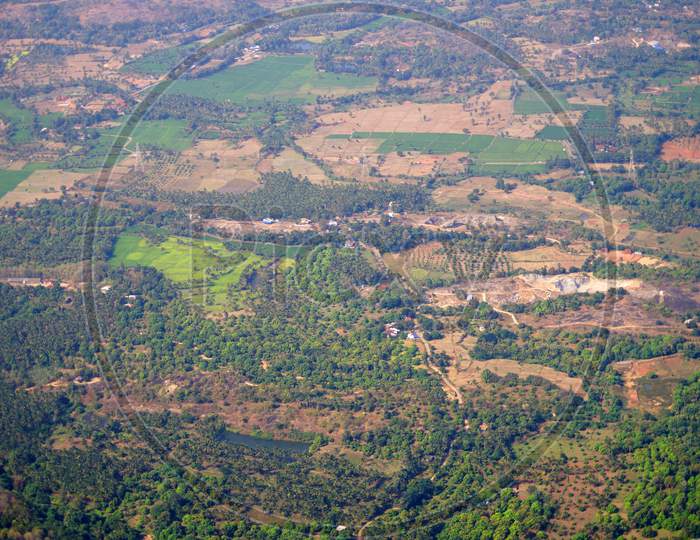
column 286, row 78
column 39, row 184
column 213, row 165
column 527, row 288
column 298, row 165
column 464, row 371
column 545, row 256
column 649, row 383
column 205, row 269
column 535, row 199
column 683, row 148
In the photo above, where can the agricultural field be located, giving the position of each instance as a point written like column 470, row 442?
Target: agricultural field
column 353, row 279
column 682, row 98
column 205, row 270
column 11, row 178
column 158, row 62
column 283, row 78
column 34, row 182
column 292, row 161
column 534, row 199
column 528, row 102
column 546, row 257
column 212, row 165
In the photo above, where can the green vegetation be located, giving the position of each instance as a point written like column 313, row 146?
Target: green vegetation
column 205, row 269
column 165, row 134
column 9, row 180
column 282, row 78
column 159, row 62
column 429, row 143
column 488, row 150
column 553, row 133
column 683, row 99
column 21, row 121
column 528, row 102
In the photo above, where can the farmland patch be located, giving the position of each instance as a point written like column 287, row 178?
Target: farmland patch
column 285, row 78
column 205, row 270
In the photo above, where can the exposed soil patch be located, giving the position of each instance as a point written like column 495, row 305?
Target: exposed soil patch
column 684, row 148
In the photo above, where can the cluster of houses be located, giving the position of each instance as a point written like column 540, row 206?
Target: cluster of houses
column 392, row 331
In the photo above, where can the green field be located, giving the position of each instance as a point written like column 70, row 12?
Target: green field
column 165, row 134
column 486, row 149
column 429, row 143
column 159, row 62
column 204, row 269
column 528, row 102
column 553, row 133
column 681, row 98
column 9, row 180
column 284, row 78
column 20, row 120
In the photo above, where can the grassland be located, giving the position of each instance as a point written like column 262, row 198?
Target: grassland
column 284, row 78
column 204, row 269
column 9, row 180
column 168, row 134
column 528, row 102
column 682, row 98
column 487, row 150
column 553, row 133
column 20, row 121
column 158, row 62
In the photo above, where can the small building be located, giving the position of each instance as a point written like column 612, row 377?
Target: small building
column 105, row 289
column 268, row 221
column 390, row 330
column 412, row 335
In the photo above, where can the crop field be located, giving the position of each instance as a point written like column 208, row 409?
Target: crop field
column 434, row 262
column 528, row 102
column 204, row 269
column 34, row 182
column 158, row 62
column 10, row 179
column 531, row 198
column 545, row 256
column 553, row 133
column 21, row 121
column 285, row 78
column 682, row 98
column 297, row 164
column 429, row 143
column 487, row 149
column 214, row 165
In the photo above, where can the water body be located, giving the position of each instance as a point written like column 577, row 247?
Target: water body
column 264, row 444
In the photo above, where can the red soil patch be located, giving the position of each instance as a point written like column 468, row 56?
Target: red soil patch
column 683, row 148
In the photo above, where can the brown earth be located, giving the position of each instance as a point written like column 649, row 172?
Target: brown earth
column 683, row 148
column 648, row 384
